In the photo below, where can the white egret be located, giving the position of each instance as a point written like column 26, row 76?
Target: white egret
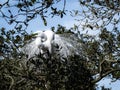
column 47, row 42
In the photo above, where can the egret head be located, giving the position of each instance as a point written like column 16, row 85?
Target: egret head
column 44, row 40
column 40, row 34
column 50, row 35
column 47, row 44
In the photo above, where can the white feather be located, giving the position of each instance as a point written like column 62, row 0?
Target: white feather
column 47, row 41
column 47, row 45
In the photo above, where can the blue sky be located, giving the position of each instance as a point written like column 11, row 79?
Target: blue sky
column 68, row 21
column 37, row 24
column 107, row 82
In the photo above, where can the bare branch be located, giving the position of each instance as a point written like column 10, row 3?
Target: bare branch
column 104, row 74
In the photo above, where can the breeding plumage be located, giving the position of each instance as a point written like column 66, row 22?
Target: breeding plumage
column 47, row 42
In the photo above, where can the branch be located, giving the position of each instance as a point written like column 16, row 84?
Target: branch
column 12, row 81
column 113, row 61
column 105, row 74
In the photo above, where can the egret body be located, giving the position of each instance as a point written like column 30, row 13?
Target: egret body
column 46, row 42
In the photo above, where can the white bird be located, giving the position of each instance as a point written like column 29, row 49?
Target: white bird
column 48, row 42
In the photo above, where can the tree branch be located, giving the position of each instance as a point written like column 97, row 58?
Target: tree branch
column 105, row 74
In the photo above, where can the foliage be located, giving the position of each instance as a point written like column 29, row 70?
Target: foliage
column 11, row 41
column 102, row 51
column 45, row 74
column 101, row 54
column 29, row 10
column 98, row 14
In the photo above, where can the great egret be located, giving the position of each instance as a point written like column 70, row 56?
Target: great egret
column 48, row 42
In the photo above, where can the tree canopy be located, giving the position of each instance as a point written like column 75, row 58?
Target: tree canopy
column 100, row 53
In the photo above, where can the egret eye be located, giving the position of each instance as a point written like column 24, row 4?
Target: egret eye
column 43, row 39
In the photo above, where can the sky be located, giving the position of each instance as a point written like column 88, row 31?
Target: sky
column 68, row 22
column 109, row 83
column 37, row 23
